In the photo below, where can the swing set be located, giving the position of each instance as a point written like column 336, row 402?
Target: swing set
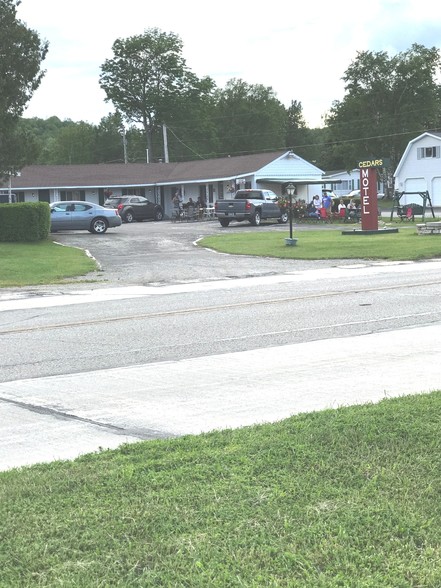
column 409, row 210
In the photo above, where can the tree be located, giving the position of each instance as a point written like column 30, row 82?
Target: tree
column 21, row 54
column 74, row 144
column 298, row 137
column 145, row 78
column 249, row 118
column 109, row 139
column 192, row 132
column 388, row 101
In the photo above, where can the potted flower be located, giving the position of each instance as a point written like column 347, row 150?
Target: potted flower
column 283, row 202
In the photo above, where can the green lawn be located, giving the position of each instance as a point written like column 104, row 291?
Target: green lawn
column 338, row 498
column 43, row 262
column 328, row 244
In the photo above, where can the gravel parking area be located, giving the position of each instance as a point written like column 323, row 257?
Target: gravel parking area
column 149, row 253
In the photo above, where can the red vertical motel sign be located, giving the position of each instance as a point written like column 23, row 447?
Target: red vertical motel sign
column 368, row 194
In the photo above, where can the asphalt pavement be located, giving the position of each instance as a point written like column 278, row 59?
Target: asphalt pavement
column 62, row 417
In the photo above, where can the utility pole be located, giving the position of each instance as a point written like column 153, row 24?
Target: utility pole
column 164, row 135
column 124, row 145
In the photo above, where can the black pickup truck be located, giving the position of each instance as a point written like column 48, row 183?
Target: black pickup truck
column 252, row 206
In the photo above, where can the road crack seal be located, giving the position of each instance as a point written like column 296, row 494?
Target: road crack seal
column 142, row 434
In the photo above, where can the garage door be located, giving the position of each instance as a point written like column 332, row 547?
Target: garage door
column 435, row 194
column 415, row 185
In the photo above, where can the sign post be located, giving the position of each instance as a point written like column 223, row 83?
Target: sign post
column 369, row 200
column 368, row 194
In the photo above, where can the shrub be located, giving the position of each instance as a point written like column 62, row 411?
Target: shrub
column 25, row 221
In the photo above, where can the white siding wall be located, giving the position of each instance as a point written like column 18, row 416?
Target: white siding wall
column 435, row 191
column 420, row 174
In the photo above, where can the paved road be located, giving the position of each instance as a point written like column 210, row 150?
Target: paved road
column 62, row 416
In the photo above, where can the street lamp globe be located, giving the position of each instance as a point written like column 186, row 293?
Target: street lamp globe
column 290, row 190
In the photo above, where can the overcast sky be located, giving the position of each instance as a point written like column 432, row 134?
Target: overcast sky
column 300, row 49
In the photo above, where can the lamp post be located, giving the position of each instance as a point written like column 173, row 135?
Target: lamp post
column 290, row 190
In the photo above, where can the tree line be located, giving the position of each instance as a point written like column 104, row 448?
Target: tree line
column 53, row 141
column 388, row 101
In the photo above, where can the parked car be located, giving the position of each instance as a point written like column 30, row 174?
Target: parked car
column 135, row 208
column 76, row 215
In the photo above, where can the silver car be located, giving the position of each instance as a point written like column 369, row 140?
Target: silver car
column 76, row 215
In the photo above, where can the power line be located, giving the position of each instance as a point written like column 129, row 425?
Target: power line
column 185, row 145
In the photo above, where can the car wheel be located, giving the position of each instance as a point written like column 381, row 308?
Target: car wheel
column 99, row 226
column 128, row 217
column 159, row 215
column 284, row 218
column 224, row 222
column 255, row 221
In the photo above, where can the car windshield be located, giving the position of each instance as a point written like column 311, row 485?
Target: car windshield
column 114, row 200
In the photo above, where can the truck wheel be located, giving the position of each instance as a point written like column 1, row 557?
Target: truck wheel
column 283, row 218
column 255, row 220
column 224, row 222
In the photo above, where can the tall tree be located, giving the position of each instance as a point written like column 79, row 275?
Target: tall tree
column 249, row 118
column 388, row 101
column 110, row 141
column 298, row 137
column 74, row 144
column 21, row 54
column 145, row 78
column 192, row 132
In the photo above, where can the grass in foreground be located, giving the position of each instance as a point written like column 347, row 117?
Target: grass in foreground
column 339, row 498
column 327, row 244
column 44, row 262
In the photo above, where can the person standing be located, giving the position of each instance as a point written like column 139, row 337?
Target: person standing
column 177, row 207
column 327, row 204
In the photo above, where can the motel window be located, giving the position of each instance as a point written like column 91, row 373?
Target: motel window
column 72, row 195
column 135, row 191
